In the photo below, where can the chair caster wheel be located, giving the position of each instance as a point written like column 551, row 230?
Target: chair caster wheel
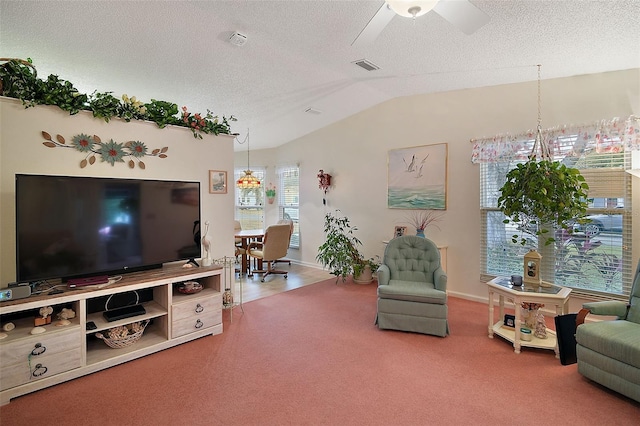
column 262, row 280
column 285, row 276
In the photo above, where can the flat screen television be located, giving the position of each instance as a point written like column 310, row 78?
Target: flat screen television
column 71, row 227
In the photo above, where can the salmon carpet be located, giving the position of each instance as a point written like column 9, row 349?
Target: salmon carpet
column 313, row 356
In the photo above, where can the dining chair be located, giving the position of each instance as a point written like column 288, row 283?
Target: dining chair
column 273, row 246
column 290, row 223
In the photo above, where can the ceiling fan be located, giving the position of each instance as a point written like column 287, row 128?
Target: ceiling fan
column 461, row 13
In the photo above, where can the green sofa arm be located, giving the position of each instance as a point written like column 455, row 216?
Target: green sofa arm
column 384, row 275
column 609, row 307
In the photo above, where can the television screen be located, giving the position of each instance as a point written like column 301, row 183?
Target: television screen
column 70, row 227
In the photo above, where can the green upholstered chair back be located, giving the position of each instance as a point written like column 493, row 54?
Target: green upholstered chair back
column 634, row 300
column 412, row 258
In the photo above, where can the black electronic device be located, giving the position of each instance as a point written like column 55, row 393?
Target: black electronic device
column 91, row 325
column 124, row 312
column 78, row 227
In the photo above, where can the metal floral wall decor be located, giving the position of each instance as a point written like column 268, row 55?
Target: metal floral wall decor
column 418, row 177
column 111, row 152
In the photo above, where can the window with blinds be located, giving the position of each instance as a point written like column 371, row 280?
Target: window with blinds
column 250, row 202
column 593, row 259
column 289, row 199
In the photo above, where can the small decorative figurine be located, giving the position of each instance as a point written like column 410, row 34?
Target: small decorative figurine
column 541, row 327
column 206, row 243
column 45, row 316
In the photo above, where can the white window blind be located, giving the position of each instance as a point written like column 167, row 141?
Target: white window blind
column 288, row 200
column 250, row 202
column 596, row 258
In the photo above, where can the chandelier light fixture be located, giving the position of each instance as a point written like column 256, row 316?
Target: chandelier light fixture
column 248, row 180
column 411, row 8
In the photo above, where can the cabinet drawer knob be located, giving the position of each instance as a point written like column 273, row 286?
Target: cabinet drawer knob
column 199, row 324
column 199, row 308
column 38, row 349
column 39, row 370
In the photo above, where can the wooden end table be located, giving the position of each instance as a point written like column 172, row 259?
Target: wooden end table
column 549, row 294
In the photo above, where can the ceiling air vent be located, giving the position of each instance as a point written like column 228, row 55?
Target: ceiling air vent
column 238, row 39
column 369, row 66
column 313, row 111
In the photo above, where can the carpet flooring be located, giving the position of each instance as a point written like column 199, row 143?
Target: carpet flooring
column 313, row 356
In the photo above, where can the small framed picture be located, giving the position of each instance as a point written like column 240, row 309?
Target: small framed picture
column 217, row 182
column 509, row 320
column 400, row 231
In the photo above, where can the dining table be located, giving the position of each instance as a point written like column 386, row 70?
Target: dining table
column 247, row 236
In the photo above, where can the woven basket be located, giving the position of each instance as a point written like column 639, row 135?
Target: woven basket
column 123, row 342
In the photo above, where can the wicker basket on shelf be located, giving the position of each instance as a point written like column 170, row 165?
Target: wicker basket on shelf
column 124, row 335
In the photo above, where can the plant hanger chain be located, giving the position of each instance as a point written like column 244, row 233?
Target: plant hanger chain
column 540, row 143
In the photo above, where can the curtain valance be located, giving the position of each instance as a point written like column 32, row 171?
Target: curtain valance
column 612, row 136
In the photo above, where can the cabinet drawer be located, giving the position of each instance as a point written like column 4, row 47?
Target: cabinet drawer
column 196, row 307
column 197, row 314
column 38, row 346
column 41, row 366
column 190, row 325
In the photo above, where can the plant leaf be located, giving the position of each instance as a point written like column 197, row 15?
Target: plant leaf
column 46, row 135
column 60, row 139
column 49, row 144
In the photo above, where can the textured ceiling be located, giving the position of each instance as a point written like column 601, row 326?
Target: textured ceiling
column 299, row 54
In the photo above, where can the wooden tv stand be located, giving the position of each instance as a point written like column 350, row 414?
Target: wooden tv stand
column 30, row 362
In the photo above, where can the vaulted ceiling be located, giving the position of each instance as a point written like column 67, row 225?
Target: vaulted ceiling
column 299, row 54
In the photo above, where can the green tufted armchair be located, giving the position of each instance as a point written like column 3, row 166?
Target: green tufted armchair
column 608, row 352
column 412, row 288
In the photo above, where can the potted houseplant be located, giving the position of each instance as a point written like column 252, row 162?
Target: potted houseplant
column 364, row 270
column 542, row 194
column 339, row 252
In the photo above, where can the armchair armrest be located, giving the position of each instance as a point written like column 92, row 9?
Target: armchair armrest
column 440, row 279
column 608, row 307
column 253, row 246
column 384, row 275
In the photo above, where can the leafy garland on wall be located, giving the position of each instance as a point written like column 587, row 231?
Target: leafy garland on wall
column 18, row 79
column 111, row 152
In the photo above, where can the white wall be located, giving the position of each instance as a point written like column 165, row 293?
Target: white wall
column 22, row 151
column 354, row 151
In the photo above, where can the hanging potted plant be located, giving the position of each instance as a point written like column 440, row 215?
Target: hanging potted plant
column 270, row 192
column 541, row 193
column 340, row 252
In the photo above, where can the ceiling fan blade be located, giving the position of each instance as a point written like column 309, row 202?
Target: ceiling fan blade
column 374, row 27
column 463, row 14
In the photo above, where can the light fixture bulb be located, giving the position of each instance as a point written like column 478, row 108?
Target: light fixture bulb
column 411, row 8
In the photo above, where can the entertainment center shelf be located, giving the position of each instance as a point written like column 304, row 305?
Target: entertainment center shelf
column 30, row 362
